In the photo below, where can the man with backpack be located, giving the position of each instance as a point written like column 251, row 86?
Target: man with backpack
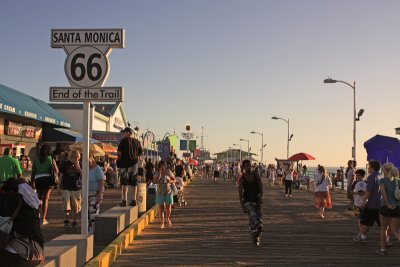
column 129, row 150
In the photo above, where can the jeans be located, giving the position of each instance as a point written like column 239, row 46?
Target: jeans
column 288, row 187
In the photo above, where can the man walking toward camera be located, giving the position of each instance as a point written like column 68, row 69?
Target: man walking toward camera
column 129, row 150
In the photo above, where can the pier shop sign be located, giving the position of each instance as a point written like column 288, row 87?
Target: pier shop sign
column 87, row 65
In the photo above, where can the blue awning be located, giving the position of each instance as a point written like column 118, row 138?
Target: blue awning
column 20, row 104
column 57, row 135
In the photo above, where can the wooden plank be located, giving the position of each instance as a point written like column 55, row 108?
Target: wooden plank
column 213, row 230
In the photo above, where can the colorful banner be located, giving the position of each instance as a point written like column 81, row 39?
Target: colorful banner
column 163, row 149
column 183, row 145
column 173, row 141
column 192, row 145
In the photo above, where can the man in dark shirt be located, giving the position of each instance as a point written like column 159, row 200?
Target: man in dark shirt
column 149, row 171
column 250, row 196
column 129, row 149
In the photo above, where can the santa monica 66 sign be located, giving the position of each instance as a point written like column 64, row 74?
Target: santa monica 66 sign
column 86, row 65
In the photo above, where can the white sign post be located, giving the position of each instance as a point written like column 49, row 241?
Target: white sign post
column 86, row 68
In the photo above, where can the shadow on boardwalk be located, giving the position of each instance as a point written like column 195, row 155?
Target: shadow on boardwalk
column 212, row 230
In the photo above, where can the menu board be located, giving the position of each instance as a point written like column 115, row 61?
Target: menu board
column 19, row 129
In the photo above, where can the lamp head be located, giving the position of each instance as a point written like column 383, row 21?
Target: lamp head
column 275, row 118
column 252, row 132
column 360, row 113
column 329, row 80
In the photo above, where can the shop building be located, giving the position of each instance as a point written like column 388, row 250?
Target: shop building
column 22, row 120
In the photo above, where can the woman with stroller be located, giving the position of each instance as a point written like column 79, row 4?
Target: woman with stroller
column 164, row 178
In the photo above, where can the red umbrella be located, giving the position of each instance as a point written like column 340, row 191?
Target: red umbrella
column 301, row 156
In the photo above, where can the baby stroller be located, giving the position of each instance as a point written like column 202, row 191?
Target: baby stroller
column 112, row 179
column 179, row 197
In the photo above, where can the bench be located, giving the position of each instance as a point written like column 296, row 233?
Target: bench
column 112, row 222
column 68, row 250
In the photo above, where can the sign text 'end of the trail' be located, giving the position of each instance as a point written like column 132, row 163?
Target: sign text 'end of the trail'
column 101, row 94
column 80, row 37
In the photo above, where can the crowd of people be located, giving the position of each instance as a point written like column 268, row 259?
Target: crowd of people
column 374, row 198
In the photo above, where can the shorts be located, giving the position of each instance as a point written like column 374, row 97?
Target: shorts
column 42, row 184
column 368, row 216
column 350, row 194
column 72, row 199
column 216, row 173
column 386, row 212
column 140, row 171
column 129, row 176
column 167, row 199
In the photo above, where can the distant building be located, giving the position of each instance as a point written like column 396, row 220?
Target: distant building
column 233, row 155
column 397, row 130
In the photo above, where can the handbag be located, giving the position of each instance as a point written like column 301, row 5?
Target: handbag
column 397, row 191
column 54, row 174
column 6, row 224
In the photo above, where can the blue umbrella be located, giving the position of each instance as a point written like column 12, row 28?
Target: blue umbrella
column 383, row 149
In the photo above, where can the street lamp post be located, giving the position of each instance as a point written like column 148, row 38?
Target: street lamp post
column 248, row 146
column 289, row 138
column 262, row 144
column 355, row 118
column 240, row 152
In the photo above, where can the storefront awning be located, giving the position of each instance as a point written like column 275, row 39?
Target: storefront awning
column 20, row 104
column 58, row 135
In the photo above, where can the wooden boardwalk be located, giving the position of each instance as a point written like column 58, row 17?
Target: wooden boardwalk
column 213, row 230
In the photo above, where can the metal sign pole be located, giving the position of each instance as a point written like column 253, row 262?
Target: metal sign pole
column 85, row 169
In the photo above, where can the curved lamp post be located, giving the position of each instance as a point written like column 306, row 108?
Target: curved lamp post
column 240, row 152
column 355, row 118
column 262, row 144
column 248, row 146
column 289, row 138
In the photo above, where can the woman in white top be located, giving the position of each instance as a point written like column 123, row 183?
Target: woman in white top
column 272, row 175
column 289, row 182
column 322, row 184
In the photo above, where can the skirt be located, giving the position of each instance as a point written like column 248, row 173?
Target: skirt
column 322, row 200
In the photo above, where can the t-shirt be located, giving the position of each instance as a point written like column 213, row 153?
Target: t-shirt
column 289, row 176
column 216, row 167
column 71, row 177
column 96, row 174
column 350, row 177
column 374, row 199
column 390, row 187
column 149, row 168
column 130, row 149
column 9, row 168
column 43, row 168
column 322, row 184
column 360, row 186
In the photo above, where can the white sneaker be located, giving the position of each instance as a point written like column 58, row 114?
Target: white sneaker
column 45, row 222
column 162, row 226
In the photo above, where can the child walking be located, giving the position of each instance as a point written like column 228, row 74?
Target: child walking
column 250, row 196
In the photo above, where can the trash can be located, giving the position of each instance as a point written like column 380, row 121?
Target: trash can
column 141, row 197
column 151, row 196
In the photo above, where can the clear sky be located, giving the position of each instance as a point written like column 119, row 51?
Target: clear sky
column 229, row 65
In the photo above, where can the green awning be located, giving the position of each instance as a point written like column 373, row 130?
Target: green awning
column 20, row 104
